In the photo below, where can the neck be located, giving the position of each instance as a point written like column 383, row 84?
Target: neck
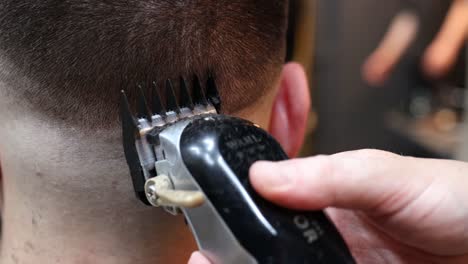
column 68, row 198
column 38, row 237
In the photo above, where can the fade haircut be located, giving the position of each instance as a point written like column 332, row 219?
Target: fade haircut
column 69, row 58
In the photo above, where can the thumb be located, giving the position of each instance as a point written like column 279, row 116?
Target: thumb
column 367, row 180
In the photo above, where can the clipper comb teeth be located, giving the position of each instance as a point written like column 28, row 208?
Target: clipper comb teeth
column 171, row 103
column 140, row 130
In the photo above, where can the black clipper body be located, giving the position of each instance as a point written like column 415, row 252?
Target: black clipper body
column 201, row 164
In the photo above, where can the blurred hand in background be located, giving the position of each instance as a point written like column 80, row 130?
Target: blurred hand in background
column 439, row 57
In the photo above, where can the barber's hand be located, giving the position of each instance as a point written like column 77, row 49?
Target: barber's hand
column 394, row 209
column 438, row 59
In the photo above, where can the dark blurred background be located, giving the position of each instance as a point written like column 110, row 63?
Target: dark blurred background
column 410, row 114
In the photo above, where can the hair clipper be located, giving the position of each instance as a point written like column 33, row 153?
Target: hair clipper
column 190, row 158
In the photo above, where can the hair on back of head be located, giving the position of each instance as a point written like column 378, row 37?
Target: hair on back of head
column 76, row 55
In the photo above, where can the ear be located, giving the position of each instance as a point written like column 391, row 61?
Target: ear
column 291, row 109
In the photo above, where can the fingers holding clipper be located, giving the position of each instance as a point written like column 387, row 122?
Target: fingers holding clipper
column 368, row 180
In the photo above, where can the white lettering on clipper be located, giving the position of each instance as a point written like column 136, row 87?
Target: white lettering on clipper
column 311, row 230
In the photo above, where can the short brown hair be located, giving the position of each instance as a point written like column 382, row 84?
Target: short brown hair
column 77, row 53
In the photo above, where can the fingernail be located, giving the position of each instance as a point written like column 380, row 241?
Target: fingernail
column 270, row 175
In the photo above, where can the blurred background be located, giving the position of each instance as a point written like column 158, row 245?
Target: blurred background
column 409, row 113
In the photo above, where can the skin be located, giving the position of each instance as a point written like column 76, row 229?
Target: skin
column 68, row 198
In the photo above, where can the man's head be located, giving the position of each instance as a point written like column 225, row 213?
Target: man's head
column 62, row 65
column 79, row 54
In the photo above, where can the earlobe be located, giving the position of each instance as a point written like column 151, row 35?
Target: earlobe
column 291, row 109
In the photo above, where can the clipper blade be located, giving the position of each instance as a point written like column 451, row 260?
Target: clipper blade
column 140, row 130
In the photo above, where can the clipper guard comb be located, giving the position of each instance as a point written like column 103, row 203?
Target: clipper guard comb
column 136, row 127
